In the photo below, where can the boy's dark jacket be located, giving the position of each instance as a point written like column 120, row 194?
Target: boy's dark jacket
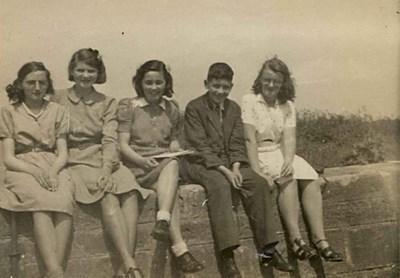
column 214, row 145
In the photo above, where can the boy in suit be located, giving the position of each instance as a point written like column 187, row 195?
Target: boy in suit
column 214, row 129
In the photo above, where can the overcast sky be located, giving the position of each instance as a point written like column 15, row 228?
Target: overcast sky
column 344, row 55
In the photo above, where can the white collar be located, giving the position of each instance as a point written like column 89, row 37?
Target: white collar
column 142, row 102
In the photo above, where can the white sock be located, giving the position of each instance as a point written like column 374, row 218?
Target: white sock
column 163, row 215
column 179, row 249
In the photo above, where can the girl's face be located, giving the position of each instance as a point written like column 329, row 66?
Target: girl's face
column 84, row 75
column 35, row 85
column 271, row 83
column 153, row 85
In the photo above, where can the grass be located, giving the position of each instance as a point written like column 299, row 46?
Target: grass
column 332, row 140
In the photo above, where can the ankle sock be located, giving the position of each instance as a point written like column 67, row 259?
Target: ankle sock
column 179, row 249
column 163, row 215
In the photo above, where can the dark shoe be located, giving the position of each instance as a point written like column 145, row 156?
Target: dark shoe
column 134, row 272
column 187, row 263
column 328, row 254
column 276, row 261
column 229, row 268
column 302, row 250
column 161, row 231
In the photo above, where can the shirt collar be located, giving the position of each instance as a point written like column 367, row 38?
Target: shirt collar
column 142, row 102
column 37, row 116
column 87, row 99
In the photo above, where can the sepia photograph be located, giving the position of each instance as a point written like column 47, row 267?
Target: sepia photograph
column 183, row 138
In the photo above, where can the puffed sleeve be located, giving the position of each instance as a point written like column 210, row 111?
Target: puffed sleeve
column 110, row 152
column 248, row 116
column 290, row 115
column 6, row 123
column 175, row 120
column 125, row 115
column 62, row 121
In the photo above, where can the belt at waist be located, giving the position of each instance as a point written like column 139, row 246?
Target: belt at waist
column 81, row 145
column 270, row 148
column 34, row 150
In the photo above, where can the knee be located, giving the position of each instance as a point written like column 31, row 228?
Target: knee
column 219, row 190
column 173, row 165
column 109, row 205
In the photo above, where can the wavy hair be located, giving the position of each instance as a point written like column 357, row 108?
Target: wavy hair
column 90, row 57
column 287, row 91
column 15, row 91
column 152, row 65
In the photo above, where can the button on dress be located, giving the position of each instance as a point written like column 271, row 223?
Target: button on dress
column 269, row 123
column 151, row 129
column 92, row 144
column 35, row 143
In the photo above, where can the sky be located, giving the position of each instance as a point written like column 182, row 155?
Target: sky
column 343, row 55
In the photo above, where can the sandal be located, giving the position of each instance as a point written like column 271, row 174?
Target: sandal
column 134, row 272
column 328, row 254
column 303, row 252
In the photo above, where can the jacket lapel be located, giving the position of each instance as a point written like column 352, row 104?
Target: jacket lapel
column 213, row 118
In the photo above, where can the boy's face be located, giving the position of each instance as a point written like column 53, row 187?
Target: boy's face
column 218, row 89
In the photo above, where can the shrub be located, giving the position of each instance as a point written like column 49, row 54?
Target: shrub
column 329, row 140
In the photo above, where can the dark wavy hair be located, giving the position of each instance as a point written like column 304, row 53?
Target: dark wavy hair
column 152, row 65
column 90, row 57
column 15, row 91
column 286, row 91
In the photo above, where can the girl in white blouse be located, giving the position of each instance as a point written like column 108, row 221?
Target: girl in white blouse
column 269, row 119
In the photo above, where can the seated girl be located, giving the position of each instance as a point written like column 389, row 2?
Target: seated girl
column 149, row 125
column 269, row 119
column 33, row 133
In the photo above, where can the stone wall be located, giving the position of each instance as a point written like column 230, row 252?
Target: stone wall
column 361, row 216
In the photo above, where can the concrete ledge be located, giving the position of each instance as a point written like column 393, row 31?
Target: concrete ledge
column 360, row 214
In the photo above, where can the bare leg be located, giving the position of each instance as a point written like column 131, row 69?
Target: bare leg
column 289, row 208
column 131, row 209
column 116, row 228
column 167, row 186
column 175, row 226
column 45, row 237
column 311, row 200
column 62, row 224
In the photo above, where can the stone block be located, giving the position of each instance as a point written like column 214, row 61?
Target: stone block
column 358, row 212
column 357, row 186
column 373, row 245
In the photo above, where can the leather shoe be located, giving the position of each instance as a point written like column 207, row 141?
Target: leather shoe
column 187, row 263
column 161, row 231
column 277, row 262
column 229, row 269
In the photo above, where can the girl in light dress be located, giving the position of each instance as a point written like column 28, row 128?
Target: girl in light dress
column 149, row 125
column 33, row 133
column 269, row 118
column 93, row 159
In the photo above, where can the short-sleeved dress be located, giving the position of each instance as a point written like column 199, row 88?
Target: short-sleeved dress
column 269, row 123
column 35, row 139
column 151, row 129
column 92, row 145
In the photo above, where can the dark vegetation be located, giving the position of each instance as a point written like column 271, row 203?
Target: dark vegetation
column 332, row 140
